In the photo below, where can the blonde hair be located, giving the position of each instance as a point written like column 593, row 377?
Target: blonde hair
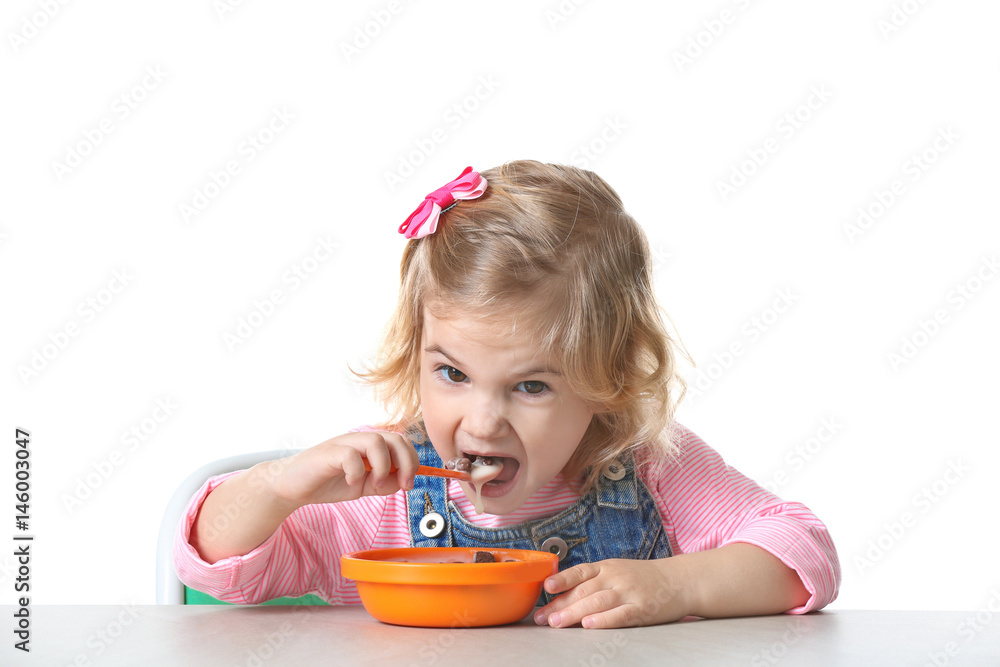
column 559, row 237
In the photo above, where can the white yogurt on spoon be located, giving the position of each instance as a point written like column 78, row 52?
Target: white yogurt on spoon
column 484, row 469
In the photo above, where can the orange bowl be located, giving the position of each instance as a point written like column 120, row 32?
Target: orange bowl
column 424, row 587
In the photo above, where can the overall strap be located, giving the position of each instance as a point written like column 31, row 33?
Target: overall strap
column 426, row 503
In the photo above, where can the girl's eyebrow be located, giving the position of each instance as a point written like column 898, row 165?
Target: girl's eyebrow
column 457, row 364
column 439, row 350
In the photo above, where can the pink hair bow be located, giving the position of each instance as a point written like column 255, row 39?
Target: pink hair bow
column 424, row 221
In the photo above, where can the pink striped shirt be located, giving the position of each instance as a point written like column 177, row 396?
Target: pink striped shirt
column 703, row 502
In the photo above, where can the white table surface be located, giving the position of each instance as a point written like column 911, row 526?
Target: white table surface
column 148, row 636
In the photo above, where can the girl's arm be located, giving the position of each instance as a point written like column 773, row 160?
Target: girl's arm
column 740, row 579
column 239, row 514
column 242, row 512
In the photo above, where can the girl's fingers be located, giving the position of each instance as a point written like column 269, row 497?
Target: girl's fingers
column 586, row 604
column 563, row 582
column 371, row 462
column 622, row 616
column 574, row 576
column 379, row 458
column 404, row 457
column 614, row 593
column 552, row 611
column 389, row 455
column 353, row 467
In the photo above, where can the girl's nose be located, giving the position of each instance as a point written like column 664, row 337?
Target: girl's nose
column 485, row 420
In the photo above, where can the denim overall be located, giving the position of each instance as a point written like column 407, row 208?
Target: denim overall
column 617, row 520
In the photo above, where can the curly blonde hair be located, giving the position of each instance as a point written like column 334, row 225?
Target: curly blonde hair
column 558, row 237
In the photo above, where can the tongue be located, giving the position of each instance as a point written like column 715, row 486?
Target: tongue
column 510, row 467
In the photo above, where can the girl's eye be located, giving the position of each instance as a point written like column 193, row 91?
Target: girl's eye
column 452, row 374
column 532, row 386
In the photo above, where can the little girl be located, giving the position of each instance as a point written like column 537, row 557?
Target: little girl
column 526, row 331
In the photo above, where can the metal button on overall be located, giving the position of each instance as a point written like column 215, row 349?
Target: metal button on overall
column 557, row 546
column 613, row 470
column 432, row 525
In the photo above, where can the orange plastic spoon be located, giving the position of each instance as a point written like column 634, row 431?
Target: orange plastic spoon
column 433, row 472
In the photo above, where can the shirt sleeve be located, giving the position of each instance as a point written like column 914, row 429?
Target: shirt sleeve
column 302, row 556
column 706, row 504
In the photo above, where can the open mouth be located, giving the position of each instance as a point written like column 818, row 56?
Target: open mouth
column 507, row 473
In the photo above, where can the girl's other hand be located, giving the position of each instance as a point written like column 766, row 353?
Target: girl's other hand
column 737, row 579
column 616, row 593
column 334, row 471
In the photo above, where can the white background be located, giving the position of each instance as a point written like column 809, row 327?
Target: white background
column 602, row 85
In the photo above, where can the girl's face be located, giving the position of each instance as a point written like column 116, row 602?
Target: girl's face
column 501, row 396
